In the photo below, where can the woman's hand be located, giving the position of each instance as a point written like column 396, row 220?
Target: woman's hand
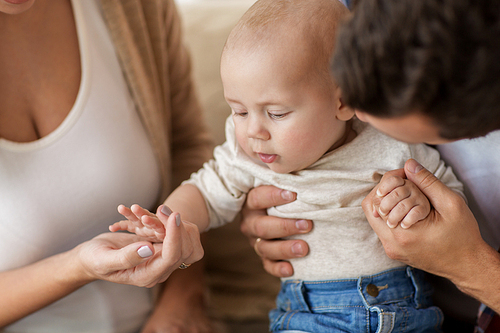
column 264, row 231
column 115, row 257
column 128, row 259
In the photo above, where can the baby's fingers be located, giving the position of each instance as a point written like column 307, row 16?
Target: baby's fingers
column 127, row 213
column 140, row 212
column 388, row 184
column 417, row 213
column 124, row 225
column 154, row 224
column 393, row 207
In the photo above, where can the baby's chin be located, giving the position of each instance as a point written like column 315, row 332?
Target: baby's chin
column 275, row 167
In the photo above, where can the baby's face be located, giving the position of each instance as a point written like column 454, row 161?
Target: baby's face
column 283, row 116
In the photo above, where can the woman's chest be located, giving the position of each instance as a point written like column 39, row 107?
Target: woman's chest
column 40, row 73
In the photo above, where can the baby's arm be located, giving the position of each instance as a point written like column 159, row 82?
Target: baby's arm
column 401, row 201
column 186, row 199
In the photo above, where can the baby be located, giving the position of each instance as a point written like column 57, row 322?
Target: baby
column 289, row 128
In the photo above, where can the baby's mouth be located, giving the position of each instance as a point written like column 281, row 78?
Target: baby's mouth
column 267, row 158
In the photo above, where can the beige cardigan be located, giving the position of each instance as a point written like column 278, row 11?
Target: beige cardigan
column 156, row 65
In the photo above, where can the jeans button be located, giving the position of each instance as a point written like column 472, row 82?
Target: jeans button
column 372, row 290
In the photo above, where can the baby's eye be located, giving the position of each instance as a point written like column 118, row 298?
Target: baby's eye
column 277, row 115
column 239, row 113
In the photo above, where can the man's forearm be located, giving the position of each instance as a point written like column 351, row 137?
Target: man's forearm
column 480, row 276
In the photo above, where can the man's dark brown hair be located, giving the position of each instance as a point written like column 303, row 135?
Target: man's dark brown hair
column 437, row 57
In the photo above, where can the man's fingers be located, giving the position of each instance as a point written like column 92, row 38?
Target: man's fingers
column 278, row 268
column 432, row 187
column 281, row 249
column 270, row 227
column 264, row 197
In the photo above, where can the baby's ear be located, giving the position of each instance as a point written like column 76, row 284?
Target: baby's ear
column 344, row 112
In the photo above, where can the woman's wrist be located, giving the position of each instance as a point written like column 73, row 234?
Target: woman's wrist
column 185, row 289
column 77, row 272
column 30, row 288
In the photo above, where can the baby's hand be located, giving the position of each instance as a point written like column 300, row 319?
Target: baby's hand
column 401, row 201
column 140, row 222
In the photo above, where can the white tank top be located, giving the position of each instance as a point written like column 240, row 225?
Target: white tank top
column 63, row 189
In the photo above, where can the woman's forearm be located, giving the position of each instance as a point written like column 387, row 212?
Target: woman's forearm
column 30, row 288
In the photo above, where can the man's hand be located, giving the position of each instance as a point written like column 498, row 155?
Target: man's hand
column 400, row 202
column 264, row 232
column 446, row 243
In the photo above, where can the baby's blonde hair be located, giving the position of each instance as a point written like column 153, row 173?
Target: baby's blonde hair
column 313, row 23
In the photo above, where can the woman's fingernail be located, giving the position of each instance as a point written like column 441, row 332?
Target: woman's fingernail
column 302, row 225
column 178, row 219
column 414, row 166
column 287, row 195
column 144, row 252
column 165, row 210
column 379, row 194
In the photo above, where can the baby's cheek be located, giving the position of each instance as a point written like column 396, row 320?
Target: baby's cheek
column 243, row 143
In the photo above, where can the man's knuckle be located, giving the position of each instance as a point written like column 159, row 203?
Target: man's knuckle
column 252, row 201
column 244, row 228
column 391, row 253
column 286, row 227
column 428, row 181
column 268, row 266
column 260, row 227
column 200, row 253
column 456, row 200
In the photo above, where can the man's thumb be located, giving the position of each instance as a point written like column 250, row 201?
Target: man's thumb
column 432, row 187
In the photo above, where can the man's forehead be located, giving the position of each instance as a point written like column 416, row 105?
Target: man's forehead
column 412, row 128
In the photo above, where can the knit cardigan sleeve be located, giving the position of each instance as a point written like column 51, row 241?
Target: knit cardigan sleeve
column 148, row 40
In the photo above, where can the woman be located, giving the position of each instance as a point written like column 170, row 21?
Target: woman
column 91, row 93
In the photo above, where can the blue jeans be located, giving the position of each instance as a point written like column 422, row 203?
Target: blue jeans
column 397, row 300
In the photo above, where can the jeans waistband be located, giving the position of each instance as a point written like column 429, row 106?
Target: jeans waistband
column 388, row 286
